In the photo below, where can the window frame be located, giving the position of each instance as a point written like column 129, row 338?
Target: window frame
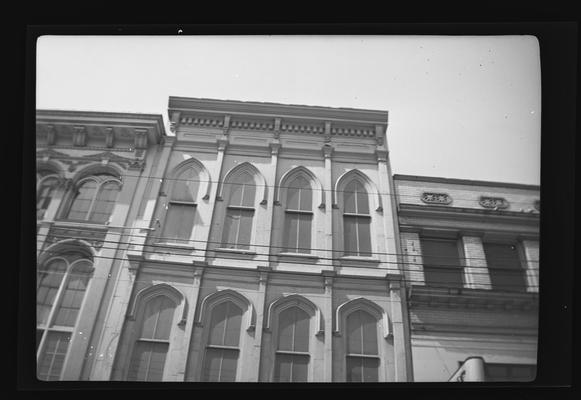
column 49, row 327
column 291, row 213
column 40, row 213
column 100, row 179
column 233, row 208
column 460, row 268
column 355, row 216
column 521, row 268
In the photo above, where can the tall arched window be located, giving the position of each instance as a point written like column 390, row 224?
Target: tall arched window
column 356, row 220
column 222, row 348
column 61, row 285
column 237, row 231
column 292, row 354
column 46, row 183
column 362, row 349
column 94, row 198
column 151, row 347
column 181, row 211
column 298, row 216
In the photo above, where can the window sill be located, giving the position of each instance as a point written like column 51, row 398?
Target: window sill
column 174, row 245
column 235, row 251
column 359, row 258
column 308, row 256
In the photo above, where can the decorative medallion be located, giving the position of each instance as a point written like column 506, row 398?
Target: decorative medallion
column 436, row 198
column 493, row 202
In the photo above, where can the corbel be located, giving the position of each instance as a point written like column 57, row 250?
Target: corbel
column 140, row 138
column 379, row 135
column 109, row 137
column 327, row 150
column 226, row 127
column 277, row 128
column 80, row 136
column 174, row 122
column 50, row 134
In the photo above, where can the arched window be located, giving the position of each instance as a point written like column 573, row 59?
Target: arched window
column 61, row 285
column 94, row 198
column 222, row 348
column 356, row 220
column 151, row 347
column 298, row 216
column 237, row 231
column 292, row 354
column 362, row 349
column 46, row 183
column 181, row 211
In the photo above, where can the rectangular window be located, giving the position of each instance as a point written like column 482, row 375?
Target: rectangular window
column 357, row 235
column 298, row 232
column 442, row 266
column 220, row 365
column 362, row 369
column 148, row 361
column 53, row 357
column 510, row 372
column 504, row 267
column 237, row 228
column 179, row 223
column 291, row 368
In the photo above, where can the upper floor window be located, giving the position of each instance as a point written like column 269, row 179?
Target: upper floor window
column 222, row 348
column 61, row 285
column 356, row 220
column 442, row 266
column 151, row 347
column 181, row 207
column 94, row 198
column 362, row 347
column 504, row 266
column 237, row 231
column 292, row 354
column 46, row 183
column 298, row 216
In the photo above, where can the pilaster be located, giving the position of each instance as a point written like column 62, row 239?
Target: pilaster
column 327, row 182
column 328, row 277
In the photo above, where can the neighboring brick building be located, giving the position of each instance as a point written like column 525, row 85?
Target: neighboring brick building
column 260, row 242
column 471, row 252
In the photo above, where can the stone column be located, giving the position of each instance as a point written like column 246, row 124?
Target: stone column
column 254, row 365
column 412, row 258
column 531, row 252
column 475, row 268
column 329, row 200
column 401, row 339
column 328, row 316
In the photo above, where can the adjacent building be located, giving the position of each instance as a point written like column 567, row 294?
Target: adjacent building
column 263, row 242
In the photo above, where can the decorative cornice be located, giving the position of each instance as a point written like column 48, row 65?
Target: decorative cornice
column 436, row 198
column 496, row 203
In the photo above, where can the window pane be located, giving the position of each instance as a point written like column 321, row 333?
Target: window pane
column 249, row 190
column 147, row 362
column 225, row 325
column 245, row 229
column 72, row 298
column 370, row 369
column 291, row 368
column 440, row 252
column 364, row 236
column 349, row 198
column 44, row 193
column 290, row 232
column 236, row 189
column 306, row 203
column 185, row 187
column 361, row 333
column 293, row 332
column 53, row 356
column 350, row 235
column 179, row 223
column 354, row 369
column 104, row 202
column 362, row 200
column 304, row 235
column 292, row 198
column 506, row 271
column 82, row 201
column 220, row 365
column 231, row 226
column 49, row 281
column 157, row 318
column 285, row 330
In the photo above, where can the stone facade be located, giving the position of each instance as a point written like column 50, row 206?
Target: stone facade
column 203, row 222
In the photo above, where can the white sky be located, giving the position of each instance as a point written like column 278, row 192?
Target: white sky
column 459, row 107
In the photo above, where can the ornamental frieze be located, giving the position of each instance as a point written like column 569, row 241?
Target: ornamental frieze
column 436, row 198
column 95, row 237
column 493, row 202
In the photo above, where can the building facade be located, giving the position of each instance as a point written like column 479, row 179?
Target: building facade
column 471, row 260
column 258, row 242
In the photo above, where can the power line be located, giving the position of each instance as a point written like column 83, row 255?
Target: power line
column 255, row 245
column 302, row 263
